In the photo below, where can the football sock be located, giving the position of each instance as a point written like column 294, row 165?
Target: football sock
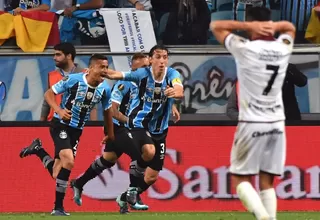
column 269, row 200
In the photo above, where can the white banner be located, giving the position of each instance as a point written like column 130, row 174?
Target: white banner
column 128, row 30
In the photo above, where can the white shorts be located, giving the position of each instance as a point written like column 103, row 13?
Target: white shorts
column 259, row 147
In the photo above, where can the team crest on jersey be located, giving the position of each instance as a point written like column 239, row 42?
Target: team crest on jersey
column 63, row 134
column 65, row 78
column 89, row 95
column 157, row 90
column 120, row 87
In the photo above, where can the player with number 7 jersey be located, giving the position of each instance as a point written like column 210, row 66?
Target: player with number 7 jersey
column 259, row 146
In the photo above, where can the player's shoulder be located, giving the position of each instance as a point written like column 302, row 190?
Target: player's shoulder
column 233, row 40
column 75, row 76
column 122, row 85
column 172, row 71
column 286, row 40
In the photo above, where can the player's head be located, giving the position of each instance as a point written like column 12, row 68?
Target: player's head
column 139, row 60
column 98, row 67
column 158, row 57
column 259, row 14
column 64, row 55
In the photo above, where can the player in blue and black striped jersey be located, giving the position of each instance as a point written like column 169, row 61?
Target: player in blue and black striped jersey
column 149, row 113
column 81, row 92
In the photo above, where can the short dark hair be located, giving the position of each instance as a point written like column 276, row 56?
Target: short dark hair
column 66, row 48
column 96, row 57
column 138, row 56
column 259, row 14
column 157, row 47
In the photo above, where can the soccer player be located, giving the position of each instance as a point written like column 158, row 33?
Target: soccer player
column 81, row 92
column 148, row 115
column 259, row 145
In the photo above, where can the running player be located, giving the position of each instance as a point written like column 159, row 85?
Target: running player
column 81, row 93
column 149, row 114
column 259, row 145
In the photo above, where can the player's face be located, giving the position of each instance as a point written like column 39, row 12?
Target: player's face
column 98, row 70
column 140, row 63
column 159, row 61
column 60, row 59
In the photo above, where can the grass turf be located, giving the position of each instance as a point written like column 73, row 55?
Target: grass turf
column 160, row 216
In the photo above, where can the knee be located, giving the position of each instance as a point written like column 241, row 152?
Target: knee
column 110, row 157
column 151, row 178
column 148, row 152
column 67, row 159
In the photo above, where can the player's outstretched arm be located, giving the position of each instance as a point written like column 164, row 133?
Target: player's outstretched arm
column 285, row 27
column 221, row 29
column 115, row 75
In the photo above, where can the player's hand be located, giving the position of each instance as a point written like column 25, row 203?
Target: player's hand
column 263, row 28
column 169, row 92
column 176, row 114
column 65, row 114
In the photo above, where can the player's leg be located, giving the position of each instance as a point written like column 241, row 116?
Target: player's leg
column 273, row 161
column 66, row 142
column 35, row 148
column 245, row 156
column 107, row 160
column 56, row 168
column 141, row 139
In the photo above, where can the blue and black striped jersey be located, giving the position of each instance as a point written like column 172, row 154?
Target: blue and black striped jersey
column 149, row 108
column 80, row 98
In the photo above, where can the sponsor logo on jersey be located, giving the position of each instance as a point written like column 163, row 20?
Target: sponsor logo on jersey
column 265, row 133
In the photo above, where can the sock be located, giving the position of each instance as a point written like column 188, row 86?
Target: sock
column 46, row 160
column 251, row 200
column 141, row 163
column 143, row 186
column 136, row 173
column 61, row 187
column 269, row 200
column 96, row 168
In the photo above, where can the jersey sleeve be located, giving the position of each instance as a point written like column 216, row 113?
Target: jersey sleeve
column 119, row 90
column 235, row 44
column 174, row 78
column 62, row 86
column 287, row 40
column 106, row 99
column 136, row 75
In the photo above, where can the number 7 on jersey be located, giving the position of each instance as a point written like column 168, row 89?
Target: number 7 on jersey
column 272, row 78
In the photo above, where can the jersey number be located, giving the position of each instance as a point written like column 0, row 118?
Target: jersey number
column 272, row 78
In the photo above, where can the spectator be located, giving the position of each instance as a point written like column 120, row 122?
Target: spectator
column 137, row 4
column 64, row 56
column 17, row 6
column 61, row 4
column 298, row 12
column 291, row 107
column 83, row 5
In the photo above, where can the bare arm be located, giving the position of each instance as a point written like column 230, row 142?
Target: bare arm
column 117, row 114
column 178, row 90
column 285, row 27
column 94, row 114
column 112, row 74
column 50, row 99
column 42, row 7
column 108, row 123
column 45, row 110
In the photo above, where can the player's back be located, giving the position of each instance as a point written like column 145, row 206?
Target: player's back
column 261, row 69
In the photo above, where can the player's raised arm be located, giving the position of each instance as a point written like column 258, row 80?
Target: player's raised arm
column 134, row 76
column 221, row 29
column 285, row 27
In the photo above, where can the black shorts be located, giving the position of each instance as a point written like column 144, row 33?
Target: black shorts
column 64, row 137
column 123, row 143
column 160, row 144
